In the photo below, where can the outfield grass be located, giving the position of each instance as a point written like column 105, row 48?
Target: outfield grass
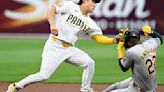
column 21, row 57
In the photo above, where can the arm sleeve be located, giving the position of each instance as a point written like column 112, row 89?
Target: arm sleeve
column 102, row 39
column 120, row 51
column 157, row 35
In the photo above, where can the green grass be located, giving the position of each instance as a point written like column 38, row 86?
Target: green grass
column 21, row 57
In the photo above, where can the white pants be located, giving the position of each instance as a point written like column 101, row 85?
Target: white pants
column 53, row 55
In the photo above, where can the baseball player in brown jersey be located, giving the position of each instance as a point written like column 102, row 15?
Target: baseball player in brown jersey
column 67, row 22
column 140, row 57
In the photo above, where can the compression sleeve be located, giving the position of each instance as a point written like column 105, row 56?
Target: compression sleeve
column 102, row 39
column 155, row 34
column 120, row 51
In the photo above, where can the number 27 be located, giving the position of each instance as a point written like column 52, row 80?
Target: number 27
column 150, row 64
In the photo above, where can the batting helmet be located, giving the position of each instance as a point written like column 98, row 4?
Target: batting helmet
column 131, row 34
column 81, row 1
column 97, row 1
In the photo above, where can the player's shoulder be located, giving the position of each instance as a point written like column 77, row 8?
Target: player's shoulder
column 135, row 50
column 92, row 22
column 152, row 42
column 89, row 17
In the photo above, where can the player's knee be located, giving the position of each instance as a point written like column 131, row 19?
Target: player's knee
column 90, row 64
column 44, row 76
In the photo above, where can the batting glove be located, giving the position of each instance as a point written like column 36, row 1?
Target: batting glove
column 147, row 30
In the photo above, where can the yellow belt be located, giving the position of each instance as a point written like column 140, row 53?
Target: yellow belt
column 64, row 44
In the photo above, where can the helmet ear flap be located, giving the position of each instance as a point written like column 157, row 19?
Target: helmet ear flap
column 126, row 45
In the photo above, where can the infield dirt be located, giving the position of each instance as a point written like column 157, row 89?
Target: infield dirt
column 49, row 87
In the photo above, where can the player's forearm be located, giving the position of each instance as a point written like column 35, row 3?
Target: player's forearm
column 124, row 69
column 148, row 31
column 51, row 15
column 102, row 39
column 120, row 51
column 155, row 34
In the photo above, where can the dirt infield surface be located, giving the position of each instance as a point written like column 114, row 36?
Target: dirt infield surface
column 44, row 87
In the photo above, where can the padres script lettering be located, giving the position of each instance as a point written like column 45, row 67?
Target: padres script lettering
column 78, row 22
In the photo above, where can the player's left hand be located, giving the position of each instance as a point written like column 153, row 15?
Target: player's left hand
column 147, row 30
column 119, row 36
column 122, row 34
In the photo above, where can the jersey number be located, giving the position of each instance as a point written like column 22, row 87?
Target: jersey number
column 150, row 64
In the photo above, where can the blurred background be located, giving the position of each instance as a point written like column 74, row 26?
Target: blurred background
column 22, row 22
column 29, row 16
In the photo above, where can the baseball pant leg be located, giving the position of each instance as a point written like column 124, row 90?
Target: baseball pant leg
column 51, row 59
column 119, row 85
column 132, row 88
column 120, row 90
column 81, row 59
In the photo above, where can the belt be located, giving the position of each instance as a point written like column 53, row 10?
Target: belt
column 64, row 44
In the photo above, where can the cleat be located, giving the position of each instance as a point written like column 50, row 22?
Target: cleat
column 90, row 90
column 12, row 88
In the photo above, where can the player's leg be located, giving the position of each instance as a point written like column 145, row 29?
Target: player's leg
column 51, row 59
column 120, row 90
column 130, row 88
column 81, row 59
column 119, row 85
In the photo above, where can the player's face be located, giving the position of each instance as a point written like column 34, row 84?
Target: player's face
column 90, row 6
column 132, row 42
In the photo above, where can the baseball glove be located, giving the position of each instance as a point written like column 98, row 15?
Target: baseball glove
column 122, row 34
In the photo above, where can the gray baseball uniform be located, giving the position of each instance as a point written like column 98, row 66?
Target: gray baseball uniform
column 141, row 59
column 71, row 24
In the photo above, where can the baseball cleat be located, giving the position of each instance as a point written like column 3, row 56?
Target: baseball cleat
column 90, row 90
column 12, row 88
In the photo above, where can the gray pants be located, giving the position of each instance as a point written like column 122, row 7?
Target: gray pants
column 126, row 85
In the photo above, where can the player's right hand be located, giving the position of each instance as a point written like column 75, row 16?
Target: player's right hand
column 147, row 30
column 54, row 30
